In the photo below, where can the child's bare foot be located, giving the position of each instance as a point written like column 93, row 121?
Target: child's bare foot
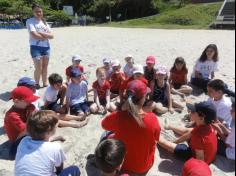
column 81, row 124
column 179, row 110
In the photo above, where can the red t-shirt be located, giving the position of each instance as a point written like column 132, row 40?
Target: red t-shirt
column 204, row 138
column 140, row 142
column 178, row 77
column 125, row 83
column 116, row 81
column 194, row 167
column 102, row 90
column 15, row 121
column 69, row 69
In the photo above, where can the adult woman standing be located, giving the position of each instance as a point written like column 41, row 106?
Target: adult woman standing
column 140, row 131
column 40, row 33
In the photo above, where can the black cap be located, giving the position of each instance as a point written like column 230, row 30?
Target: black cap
column 204, row 108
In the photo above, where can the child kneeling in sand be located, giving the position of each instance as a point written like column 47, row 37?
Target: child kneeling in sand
column 179, row 78
column 102, row 98
column 203, row 140
column 161, row 93
column 37, row 154
column 77, row 95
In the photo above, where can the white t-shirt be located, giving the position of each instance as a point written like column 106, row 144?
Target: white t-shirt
column 128, row 71
column 37, row 103
column 51, row 95
column 33, row 25
column 38, row 158
column 230, row 151
column 77, row 93
column 223, row 108
column 205, row 68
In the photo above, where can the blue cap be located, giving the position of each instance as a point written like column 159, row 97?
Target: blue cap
column 205, row 108
column 75, row 73
column 27, row 82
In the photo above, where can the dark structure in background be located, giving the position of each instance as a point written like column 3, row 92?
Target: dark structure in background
column 226, row 16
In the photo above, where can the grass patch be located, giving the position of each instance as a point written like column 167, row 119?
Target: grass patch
column 192, row 16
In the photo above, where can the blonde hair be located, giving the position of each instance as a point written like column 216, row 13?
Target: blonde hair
column 100, row 70
column 134, row 111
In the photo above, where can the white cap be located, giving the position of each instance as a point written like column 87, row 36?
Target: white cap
column 138, row 69
column 115, row 63
column 162, row 70
column 106, row 61
column 129, row 56
column 76, row 58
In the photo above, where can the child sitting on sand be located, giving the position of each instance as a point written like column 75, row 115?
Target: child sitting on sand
column 202, row 139
column 108, row 68
column 194, row 167
column 117, row 78
column 16, row 117
column 149, row 70
column 227, row 147
column 77, row 95
column 138, row 74
column 76, row 63
column 129, row 67
column 179, row 78
column 109, row 156
column 161, row 93
column 223, row 104
column 205, row 68
column 31, row 84
column 37, row 154
column 54, row 93
column 102, row 98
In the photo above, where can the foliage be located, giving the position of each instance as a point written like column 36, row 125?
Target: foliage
column 201, row 17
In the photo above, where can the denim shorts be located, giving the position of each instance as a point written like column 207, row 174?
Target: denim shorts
column 54, row 106
column 80, row 107
column 37, row 52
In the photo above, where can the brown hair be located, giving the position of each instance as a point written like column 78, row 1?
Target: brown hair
column 40, row 123
column 180, row 60
column 100, row 70
column 203, row 57
column 109, row 155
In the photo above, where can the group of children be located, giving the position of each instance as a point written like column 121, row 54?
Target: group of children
column 134, row 97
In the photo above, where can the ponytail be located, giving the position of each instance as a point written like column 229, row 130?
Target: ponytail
column 134, row 111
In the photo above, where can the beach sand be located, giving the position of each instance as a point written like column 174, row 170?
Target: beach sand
column 95, row 43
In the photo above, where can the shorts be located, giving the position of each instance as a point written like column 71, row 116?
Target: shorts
column 80, row 107
column 54, row 106
column 13, row 148
column 37, row 52
column 183, row 151
column 116, row 92
column 221, row 150
column 103, row 102
column 177, row 85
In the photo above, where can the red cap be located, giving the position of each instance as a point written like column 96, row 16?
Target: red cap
column 138, row 88
column 194, row 167
column 151, row 60
column 24, row 94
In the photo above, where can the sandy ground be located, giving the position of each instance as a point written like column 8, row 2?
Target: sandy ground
column 95, row 43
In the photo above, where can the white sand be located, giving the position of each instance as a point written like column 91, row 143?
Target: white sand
column 93, row 44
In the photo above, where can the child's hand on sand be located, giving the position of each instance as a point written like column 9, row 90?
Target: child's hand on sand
column 57, row 138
